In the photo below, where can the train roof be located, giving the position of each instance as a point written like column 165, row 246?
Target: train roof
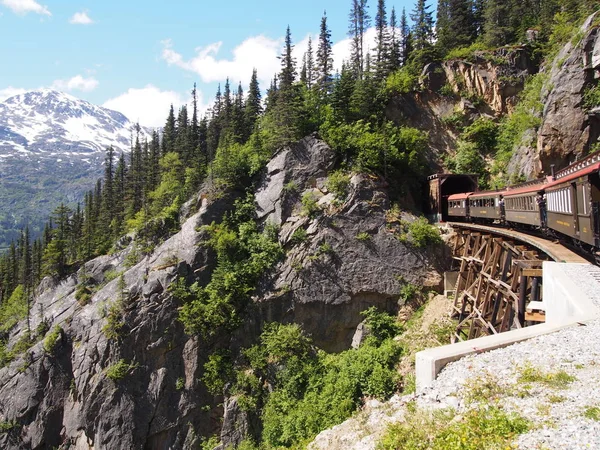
column 461, row 196
column 574, row 175
column 525, row 189
column 486, row 194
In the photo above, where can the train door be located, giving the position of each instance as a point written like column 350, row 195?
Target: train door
column 573, row 194
column 594, row 200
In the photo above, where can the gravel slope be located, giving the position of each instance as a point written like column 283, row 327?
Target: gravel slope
column 556, row 410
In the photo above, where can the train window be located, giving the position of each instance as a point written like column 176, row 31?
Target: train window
column 584, row 198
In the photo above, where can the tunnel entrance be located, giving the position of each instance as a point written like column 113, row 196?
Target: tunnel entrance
column 441, row 186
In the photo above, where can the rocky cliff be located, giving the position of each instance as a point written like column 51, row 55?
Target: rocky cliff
column 83, row 386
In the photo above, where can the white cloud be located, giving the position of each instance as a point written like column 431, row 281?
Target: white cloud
column 81, row 18
column 149, row 105
column 258, row 52
column 23, row 7
column 77, row 83
column 10, row 92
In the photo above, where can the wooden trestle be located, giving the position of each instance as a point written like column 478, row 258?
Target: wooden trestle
column 497, row 278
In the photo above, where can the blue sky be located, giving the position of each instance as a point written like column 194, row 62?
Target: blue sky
column 140, row 56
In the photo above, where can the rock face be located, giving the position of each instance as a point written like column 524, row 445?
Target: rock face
column 496, row 78
column 567, row 130
column 72, row 396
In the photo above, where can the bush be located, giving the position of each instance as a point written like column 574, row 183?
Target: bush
column 381, row 325
column 217, row 371
column 467, row 53
column 13, row 310
column 338, row 184
column 363, row 236
column 422, row 233
column 468, row 159
column 401, row 82
column 119, row 370
column 310, row 205
column 483, row 133
column 299, row 236
column 52, row 338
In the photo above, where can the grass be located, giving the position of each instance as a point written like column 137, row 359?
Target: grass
column 476, row 429
column 592, row 413
column 488, row 387
column 555, row 380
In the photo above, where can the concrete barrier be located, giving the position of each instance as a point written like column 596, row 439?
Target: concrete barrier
column 567, row 300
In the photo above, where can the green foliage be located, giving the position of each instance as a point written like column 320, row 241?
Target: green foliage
column 402, row 81
column 52, row 338
column 591, row 97
column 363, row 236
column 209, row 443
column 408, row 292
column 592, row 413
column 244, row 254
column 180, row 383
column 115, row 322
column 381, row 325
column 557, row 380
column 468, row 53
column 83, row 294
column 478, row 429
column 338, row 184
column 483, row 132
column 310, row 205
column 13, row 310
column 313, row 390
column 391, row 150
column 468, row 159
column 119, row 370
column 299, row 236
column 7, row 426
column 291, row 187
column 423, row 234
column 217, row 370
column 457, row 119
column 525, row 117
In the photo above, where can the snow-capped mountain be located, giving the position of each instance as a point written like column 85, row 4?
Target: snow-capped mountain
column 48, row 121
column 52, row 149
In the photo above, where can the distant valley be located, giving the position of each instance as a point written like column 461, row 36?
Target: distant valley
column 52, row 148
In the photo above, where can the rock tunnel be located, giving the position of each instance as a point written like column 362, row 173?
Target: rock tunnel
column 442, row 185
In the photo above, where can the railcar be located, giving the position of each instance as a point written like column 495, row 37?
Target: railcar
column 458, row 205
column 486, row 205
column 572, row 204
column 522, row 204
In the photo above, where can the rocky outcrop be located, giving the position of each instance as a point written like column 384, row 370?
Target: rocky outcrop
column 72, row 395
column 567, row 128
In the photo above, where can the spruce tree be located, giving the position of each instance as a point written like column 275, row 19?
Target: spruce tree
column 253, row 108
column 310, row 64
column 422, row 30
column 406, row 46
column 382, row 42
column 324, row 60
column 455, row 25
column 395, row 43
column 359, row 23
column 498, row 29
column 168, row 140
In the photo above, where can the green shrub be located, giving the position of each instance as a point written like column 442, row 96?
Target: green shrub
column 401, row 82
column 115, row 322
column 180, row 383
column 469, row 160
column 338, row 184
column 363, row 236
column 310, row 205
column 299, row 236
column 478, row 429
column 457, row 119
column 422, row 233
column 408, row 291
column 119, row 370
column 591, row 97
column 13, row 310
column 290, row 187
column 483, row 133
column 52, row 338
column 381, row 325
column 83, row 294
column 467, row 53
column 310, row 390
column 7, row 426
column 217, row 371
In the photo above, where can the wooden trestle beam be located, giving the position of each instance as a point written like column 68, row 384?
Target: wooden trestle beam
column 497, row 277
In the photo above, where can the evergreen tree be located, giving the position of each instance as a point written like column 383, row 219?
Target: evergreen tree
column 455, row 25
column 342, row 95
column 406, row 46
column 168, row 141
column 194, row 128
column 498, row 29
column 287, row 75
column 253, row 108
column 382, row 42
column 422, row 30
column 395, row 43
column 324, row 59
column 359, row 23
column 479, row 17
column 310, row 64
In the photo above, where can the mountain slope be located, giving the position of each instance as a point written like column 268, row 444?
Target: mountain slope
column 51, row 151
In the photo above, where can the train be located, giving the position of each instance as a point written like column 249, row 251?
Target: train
column 565, row 204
